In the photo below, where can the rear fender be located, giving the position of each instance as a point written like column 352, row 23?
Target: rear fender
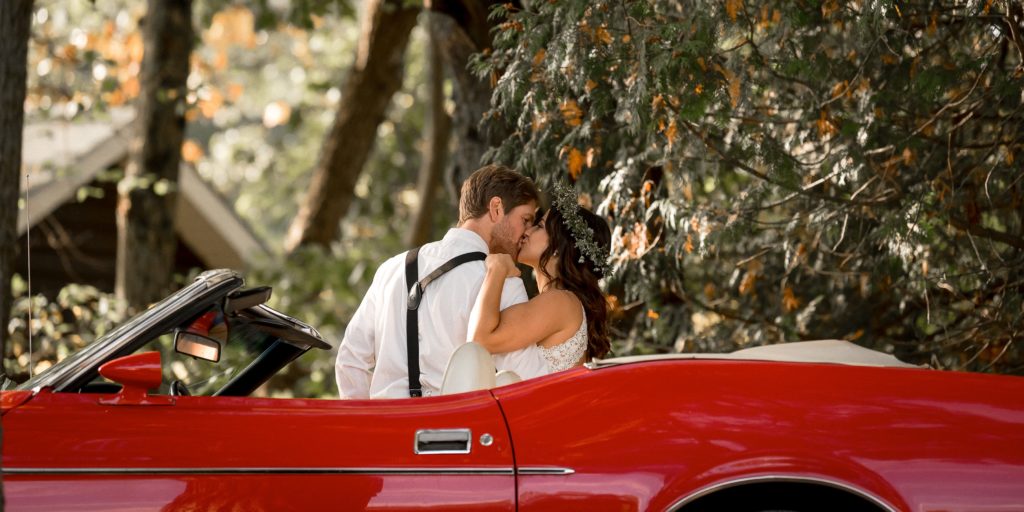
column 836, row 474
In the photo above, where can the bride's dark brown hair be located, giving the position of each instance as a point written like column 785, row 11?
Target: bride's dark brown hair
column 580, row 278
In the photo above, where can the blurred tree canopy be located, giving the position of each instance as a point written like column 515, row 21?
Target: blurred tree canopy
column 778, row 171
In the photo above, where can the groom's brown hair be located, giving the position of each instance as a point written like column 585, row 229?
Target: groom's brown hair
column 489, row 181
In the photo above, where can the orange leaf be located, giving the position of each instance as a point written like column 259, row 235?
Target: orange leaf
column 211, row 102
column 575, row 163
column 709, row 291
column 601, row 34
column 789, row 301
column 571, row 113
column 747, row 284
column 657, row 102
column 116, row 97
column 689, row 243
column 220, row 61
column 134, row 46
column 734, row 84
column 191, row 151
column 652, row 314
column 908, row 156
column 825, row 125
column 538, row 57
column 235, row 92
column 131, row 87
column 671, row 132
column 232, row 26
column 732, row 7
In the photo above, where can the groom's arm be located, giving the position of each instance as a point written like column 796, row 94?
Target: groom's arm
column 528, row 362
column 353, row 369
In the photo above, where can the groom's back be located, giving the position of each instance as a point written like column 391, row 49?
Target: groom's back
column 376, row 336
column 443, row 314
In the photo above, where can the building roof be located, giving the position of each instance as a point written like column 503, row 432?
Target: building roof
column 60, row 157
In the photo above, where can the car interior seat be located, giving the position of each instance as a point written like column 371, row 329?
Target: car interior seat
column 506, row 377
column 469, row 368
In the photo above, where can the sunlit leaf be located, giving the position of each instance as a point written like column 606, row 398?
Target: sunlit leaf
column 575, row 163
column 191, row 151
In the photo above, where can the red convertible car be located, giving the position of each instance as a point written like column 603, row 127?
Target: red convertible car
column 157, row 416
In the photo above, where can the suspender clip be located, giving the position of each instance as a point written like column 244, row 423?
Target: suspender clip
column 415, row 296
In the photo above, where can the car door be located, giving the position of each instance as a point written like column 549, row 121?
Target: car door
column 72, row 451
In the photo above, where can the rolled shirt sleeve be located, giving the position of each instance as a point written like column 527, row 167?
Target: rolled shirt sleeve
column 353, row 369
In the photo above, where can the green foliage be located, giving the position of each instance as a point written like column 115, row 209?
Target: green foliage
column 76, row 317
column 778, row 171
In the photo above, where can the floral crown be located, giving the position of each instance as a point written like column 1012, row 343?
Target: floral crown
column 567, row 202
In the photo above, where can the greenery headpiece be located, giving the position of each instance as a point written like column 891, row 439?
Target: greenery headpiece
column 567, row 202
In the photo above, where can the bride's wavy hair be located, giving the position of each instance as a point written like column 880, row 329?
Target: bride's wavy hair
column 580, row 278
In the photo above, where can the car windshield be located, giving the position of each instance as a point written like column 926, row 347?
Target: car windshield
column 240, row 344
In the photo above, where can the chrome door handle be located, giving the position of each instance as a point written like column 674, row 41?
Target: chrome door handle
column 455, row 440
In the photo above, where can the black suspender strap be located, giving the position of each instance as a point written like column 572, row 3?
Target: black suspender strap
column 416, row 287
column 412, row 328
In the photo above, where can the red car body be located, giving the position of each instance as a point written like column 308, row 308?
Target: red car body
column 654, row 435
column 646, row 436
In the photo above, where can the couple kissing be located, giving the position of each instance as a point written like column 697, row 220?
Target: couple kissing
column 399, row 340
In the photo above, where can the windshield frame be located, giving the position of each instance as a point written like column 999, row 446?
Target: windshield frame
column 212, row 284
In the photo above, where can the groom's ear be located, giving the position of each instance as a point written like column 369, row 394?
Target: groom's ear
column 495, row 209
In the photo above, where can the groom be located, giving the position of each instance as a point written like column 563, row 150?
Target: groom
column 496, row 207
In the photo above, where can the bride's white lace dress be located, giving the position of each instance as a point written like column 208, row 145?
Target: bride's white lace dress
column 565, row 355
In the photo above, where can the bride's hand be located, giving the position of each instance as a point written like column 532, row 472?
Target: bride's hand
column 502, row 263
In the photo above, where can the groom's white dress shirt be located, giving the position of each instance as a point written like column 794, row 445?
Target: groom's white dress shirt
column 372, row 357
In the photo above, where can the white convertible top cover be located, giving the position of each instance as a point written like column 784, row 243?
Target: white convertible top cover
column 821, row 351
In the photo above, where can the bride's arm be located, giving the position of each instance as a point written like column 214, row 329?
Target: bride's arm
column 518, row 326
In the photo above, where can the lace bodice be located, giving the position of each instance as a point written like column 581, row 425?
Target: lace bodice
column 566, row 354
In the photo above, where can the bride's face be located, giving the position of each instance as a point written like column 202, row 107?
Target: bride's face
column 533, row 243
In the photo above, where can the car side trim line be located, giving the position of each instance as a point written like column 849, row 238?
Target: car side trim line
column 545, row 471
column 783, row 478
column 249, row 471
column 527, row 471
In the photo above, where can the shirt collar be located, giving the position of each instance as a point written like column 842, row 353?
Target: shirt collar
column 465, row 236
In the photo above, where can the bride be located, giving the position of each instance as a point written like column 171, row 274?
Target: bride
column 568, row 319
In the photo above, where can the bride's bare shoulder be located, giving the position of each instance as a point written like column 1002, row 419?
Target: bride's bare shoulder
column 560, row 302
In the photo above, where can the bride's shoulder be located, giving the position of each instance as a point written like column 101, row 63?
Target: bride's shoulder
column 560, row 300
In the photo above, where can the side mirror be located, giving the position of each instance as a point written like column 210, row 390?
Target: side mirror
column 197, row 345
column 137, row 374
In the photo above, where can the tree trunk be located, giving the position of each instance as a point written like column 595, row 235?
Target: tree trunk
column 375, row 77
column 439, row 126
column 15, row 25
column 464, row 30
column 146, row 240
